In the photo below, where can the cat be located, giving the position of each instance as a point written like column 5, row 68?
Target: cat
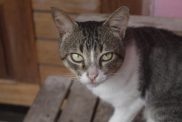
column 129, row 67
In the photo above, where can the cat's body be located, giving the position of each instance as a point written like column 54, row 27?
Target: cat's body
column 129, row 68
column 160, row 73
column 121, row 91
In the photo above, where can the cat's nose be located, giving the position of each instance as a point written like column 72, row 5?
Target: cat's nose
column 92, row 73
column 92, row 76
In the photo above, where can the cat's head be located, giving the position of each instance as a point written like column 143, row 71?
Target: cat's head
column 92, row 50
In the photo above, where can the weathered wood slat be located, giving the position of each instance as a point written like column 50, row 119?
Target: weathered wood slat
column 19, row 41
column 48, row 101
column 103, row 112
column 80, row 105
column 73, row 6
column 45, row 27
column 48, row 70
column 14, row 92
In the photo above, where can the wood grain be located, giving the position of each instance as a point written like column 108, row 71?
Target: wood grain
column 48, row 70
column 12, row 92
column 48, row 52
column 48, row 100
column 46, row 29
column 80, row 105
column 103, row 112
column 108, row 6
column 44, row 26
column 72, row 6
column 20, row 47
column 3, row 68
column 1, row 1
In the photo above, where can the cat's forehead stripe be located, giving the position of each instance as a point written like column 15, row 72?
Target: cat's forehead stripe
column 90, row 33
column 92, row 56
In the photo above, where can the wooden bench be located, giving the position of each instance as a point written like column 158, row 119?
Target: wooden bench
column 63, row 100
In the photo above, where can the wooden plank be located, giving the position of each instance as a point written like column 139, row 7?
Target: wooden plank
column 12, row 92
column 1, row 1
column 19, row 44
column 48, row 70
column 3, row 68
column 48, row 52
column 72, row 6
column 80, row 105
column 45, row 27
column 103, row 113
column 48, row 100
column 108, row 6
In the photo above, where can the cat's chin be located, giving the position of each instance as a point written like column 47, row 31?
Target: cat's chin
column 86, row 81
column 94, row 84
column 91, row 84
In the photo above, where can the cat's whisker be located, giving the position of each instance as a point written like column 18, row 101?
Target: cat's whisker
column 71, row 76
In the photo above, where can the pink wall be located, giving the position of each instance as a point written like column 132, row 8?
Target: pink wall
column 168, row 8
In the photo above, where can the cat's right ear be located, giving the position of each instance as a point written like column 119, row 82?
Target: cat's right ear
column 118, row 21
column 63, row 22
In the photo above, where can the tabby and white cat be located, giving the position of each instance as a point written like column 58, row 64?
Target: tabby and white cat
column 129, row 68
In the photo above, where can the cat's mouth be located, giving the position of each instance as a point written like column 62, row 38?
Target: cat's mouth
column 87, row 80
column 95, row 84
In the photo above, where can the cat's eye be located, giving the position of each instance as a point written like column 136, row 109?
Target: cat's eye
column 107, row 56
column 76, row 58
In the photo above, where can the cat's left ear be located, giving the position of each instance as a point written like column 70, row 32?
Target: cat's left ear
column 63, row 22
column 118, row 21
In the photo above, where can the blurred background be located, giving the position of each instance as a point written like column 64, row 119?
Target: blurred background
column 29, row 47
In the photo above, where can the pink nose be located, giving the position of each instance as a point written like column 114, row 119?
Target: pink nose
column 92, row 76
column 92, row 73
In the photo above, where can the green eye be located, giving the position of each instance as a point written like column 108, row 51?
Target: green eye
column 107, row 56
column 76, row 58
